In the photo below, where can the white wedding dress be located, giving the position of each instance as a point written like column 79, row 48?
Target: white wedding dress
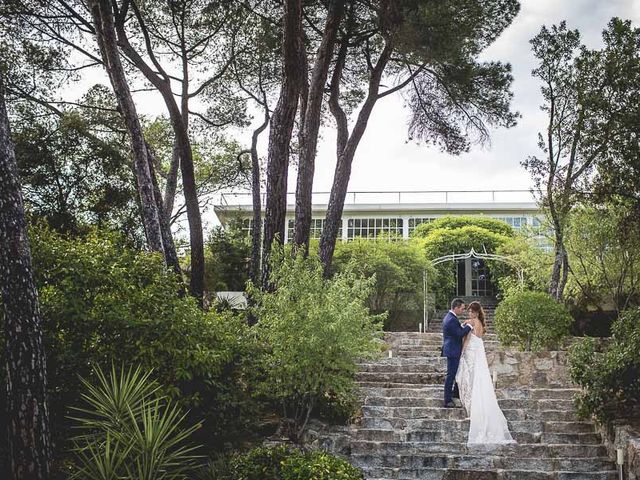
column 488, row 424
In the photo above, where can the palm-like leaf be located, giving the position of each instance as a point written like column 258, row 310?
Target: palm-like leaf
column 131, row 431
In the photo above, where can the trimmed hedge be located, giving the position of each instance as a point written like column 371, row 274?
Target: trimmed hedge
column 532, row 321
column 451, row 223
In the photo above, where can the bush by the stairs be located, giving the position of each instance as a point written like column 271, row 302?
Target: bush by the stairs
column 283, row 463
column 609, row 373
column 314, row 330
column 531, row 321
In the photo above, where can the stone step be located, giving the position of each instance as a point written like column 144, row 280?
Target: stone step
column 403, row 431
column 460, row 423
column 436, row 401
column 414, row 354
column 482, row 461
column 455, row 413
column 434, row 345
column 381, row 473
column 436, row 391
column 392, row 336
column 393, row 379
column 410, row 448
column 402, row 377
column 575, row 439
column 459, row 435
column 423, row 365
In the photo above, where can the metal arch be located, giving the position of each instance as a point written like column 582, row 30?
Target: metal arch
column 463, row 256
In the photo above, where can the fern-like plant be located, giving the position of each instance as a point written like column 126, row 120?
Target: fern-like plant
column 128, row 430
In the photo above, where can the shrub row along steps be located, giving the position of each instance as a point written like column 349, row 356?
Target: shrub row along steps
column 405, row 433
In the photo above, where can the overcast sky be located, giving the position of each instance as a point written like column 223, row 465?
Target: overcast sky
column 386, row 161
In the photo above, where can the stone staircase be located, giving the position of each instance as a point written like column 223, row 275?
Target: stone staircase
column 405, row 433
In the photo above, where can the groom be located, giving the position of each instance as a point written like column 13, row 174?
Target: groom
column 452, row 334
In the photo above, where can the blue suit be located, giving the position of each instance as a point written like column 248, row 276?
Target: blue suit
column 452, row 334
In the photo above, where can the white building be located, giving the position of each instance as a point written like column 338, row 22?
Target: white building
column 369, row 214
column 373, row 214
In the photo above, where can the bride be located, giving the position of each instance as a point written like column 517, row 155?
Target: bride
column 488, row 424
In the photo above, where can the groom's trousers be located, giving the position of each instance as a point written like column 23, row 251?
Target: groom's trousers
column 452, row 369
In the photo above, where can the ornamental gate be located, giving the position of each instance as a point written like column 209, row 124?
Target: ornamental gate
column 474, row 281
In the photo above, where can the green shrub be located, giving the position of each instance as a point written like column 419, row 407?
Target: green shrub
column 262, row 463
column 398, row 268
column 130, row 431
column 314, row 329
column 455, row 222
column 531, row 321
column 609, row 373
column 282, row 463
column 228, row 254
column 102, row 302
column 318, row 465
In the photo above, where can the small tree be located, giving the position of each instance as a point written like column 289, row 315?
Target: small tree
column 452, row 222
column 590, row 97
column 451, row 235
column 398, row 268
column 314, row 330
column 605, row 257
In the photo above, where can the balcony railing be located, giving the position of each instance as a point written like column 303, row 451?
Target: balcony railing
column 399, row 197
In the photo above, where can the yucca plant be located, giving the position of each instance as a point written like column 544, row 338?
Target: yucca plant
column 130, row 431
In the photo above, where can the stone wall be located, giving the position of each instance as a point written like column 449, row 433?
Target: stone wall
column 619, row 435
column 519, row 369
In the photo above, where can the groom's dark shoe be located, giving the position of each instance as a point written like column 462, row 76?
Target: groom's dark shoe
column 450, row 405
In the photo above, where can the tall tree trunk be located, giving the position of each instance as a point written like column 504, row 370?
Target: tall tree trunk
column 170, row 253
column 556, row 272
column 560, row 267
column 565, row 273
column 311, row 126
column 172, row 182
column 27, row 412
column 280, row 134
column 256, row 231
column 163, row 85
column 106, row 37
column 347, row 146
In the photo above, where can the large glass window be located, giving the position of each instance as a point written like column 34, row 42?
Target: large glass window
column 317, row 224
column 515, row 222
column 390, row 228
column 480, row 279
